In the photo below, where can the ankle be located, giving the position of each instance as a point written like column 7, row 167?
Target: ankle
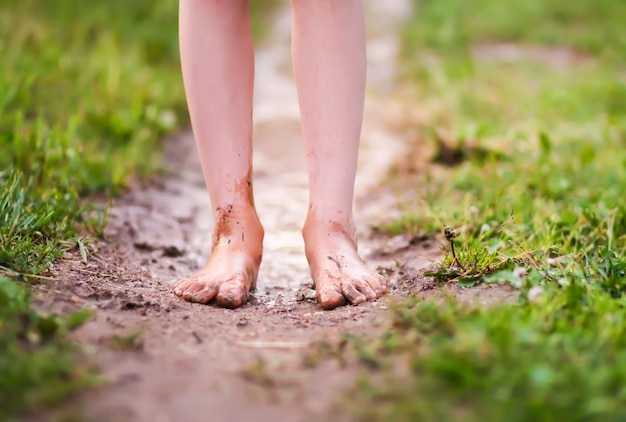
column 319, row 230
column 236, row 225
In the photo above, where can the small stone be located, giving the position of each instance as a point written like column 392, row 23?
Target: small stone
column 128, row 378
column 396, row 244
column 305, row 294
column 173, row 251
column 310, row 294
column 321, row 320
column 535, row 293
column 520, row 272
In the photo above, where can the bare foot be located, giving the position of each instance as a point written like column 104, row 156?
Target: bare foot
column 233, row 266
column 338, row 272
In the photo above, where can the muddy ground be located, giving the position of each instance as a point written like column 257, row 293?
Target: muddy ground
column 194, row 362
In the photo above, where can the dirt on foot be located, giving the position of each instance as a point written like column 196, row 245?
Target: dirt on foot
column 166, row 359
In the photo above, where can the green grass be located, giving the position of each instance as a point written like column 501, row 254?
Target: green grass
column 535, row 190
column 87, row 93
column 594, row 28
column 559, row 358
column 37, row 364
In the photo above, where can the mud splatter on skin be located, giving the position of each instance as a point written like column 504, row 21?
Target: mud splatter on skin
column 339, row 274
column 338, row 228
column 223, row 228
column 233, row 265
column 336, row 261
column 244, row 189
column 224, row 215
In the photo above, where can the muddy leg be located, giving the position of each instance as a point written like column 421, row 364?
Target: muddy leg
column 218, row 70
column 329, row 65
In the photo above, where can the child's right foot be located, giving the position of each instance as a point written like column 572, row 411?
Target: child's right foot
column 233, row 266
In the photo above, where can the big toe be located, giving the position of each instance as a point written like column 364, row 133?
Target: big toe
column 233, row 293
column 232, row 299
column 329, row 295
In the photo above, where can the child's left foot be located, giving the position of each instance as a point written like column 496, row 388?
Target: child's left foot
column 338, row 272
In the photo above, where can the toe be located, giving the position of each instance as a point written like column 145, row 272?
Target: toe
column 233, row 292
column 365, row 287
column 231, row 298
column 377, row 283
column 190, row 291
column 180, row 286
column 352, row 293
column 205, row 295
column 383, row 283
column 329, row 295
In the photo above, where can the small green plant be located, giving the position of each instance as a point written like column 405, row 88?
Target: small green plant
column 131, row 341
column 37, row 362
column 259, row 373
column 323, row 349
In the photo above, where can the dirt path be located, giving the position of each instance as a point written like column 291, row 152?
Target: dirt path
column 198, row 363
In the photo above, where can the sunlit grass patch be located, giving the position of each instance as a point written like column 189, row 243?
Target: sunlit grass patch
column 532, row 154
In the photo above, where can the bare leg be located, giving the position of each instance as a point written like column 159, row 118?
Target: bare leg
column 329, row 64
column 218, row 69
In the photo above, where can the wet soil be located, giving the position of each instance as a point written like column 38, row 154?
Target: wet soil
column 195, row 362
